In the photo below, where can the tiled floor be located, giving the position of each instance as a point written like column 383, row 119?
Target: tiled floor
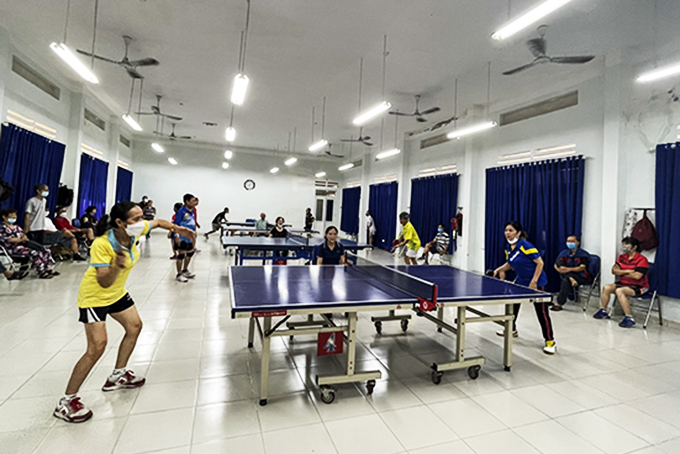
column 608, row 390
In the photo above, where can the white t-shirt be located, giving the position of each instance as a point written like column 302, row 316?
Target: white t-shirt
column 49, row 225
column 36, row 211
column 370, row 225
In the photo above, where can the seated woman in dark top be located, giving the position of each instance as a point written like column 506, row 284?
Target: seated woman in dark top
column 89, row 219
column 330, row 252
column 279, row 231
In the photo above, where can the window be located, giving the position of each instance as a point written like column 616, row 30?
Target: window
column 329, row 210
column 353, row 184
column 540, row 154
column 443, row 170
column 31, row 125
column 87, row 149
column 385, row 179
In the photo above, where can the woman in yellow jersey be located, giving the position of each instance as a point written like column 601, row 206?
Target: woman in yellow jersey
column 102, row 292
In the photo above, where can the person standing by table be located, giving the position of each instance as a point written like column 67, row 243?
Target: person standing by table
column 279, row 231
column 409, row 237
column 102, row 292
column 523, row 257
column 187, row 247
column 331, row 251
column 217, row 222
column 309, row 220
column 370, row 227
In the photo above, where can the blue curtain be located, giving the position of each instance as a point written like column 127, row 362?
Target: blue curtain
column 92, row 186
column 349, row 219
column 27, row 159
column 433, row 202
column 123, row 185
column 667, row 264
column 546, row 198
column 382, row 203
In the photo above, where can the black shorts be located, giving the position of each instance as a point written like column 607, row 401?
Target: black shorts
column 638, row 289
column 98, row 314
column 185, row 246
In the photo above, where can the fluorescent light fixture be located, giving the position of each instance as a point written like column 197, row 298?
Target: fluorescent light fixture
column 528, row 18
column 230, row 134
column 172, row 161
column 239, row 89
column 661, row 73
column 388, row 153
column 274, row 170
column 290, row 161
column 157, row 147
column 73, row 61
column 458, row 133
column 346, row 167
column 318, row 145
column 131, row 121
column 225, row 165
column 372, row 113
column 320, row 174
column 228, row 154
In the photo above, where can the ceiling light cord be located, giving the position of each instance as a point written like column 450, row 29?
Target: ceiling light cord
column 141, row 90
column 396, row 128
column 94, row 31
column 245, row 38
column 132, row 92
column 323, row 119
column 455, row 103
column 68, row 11
column 488, row 89
column 295, row 138
column 313, row 118
column 384, row 65
column 231, row 117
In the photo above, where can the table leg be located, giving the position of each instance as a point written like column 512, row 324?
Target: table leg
column 251, row 331
column 507, row 340
column 264, row 372
column 460, row 335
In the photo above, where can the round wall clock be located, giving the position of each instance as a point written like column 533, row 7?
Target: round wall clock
column 249, row 185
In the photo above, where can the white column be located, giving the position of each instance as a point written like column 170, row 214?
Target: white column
column 71, row 170
column 113, row 155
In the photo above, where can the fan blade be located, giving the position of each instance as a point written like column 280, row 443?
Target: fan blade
column 572, row 60
column 521, row 68
column 430, row 111
column 350, row 140
column 185, row 137
column 156, row 110
column 115, row 62
column 537, row 46
column 172, row 117
column 364, row 138
column 401, row 114
column 145, row 113
column 368, row 144
column 133, row 73
column 421, row 119
column 144, row 62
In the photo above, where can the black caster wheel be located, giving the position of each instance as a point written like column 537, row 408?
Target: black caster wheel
column 439, row 330
column 250, row 345
column 370, row 385
column 404, row 325
column 436, row 377
column 263, row 402
column 378, row 327
column 473, row 372
column 327, row 395
column 506, row 368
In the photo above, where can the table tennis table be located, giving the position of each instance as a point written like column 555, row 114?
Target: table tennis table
column 253, row 229
column 301, row 246
column 266, row 293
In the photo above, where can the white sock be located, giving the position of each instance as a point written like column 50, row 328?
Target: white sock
column 67, row 398
column 117, row 372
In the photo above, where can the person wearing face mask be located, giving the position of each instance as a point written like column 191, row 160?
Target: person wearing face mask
column 370, row 227
column 89, row 219
column 440, row 244
column 102, row 292
column 185, row 217
column 572, row 264
column 62, row 223
column 523, row 257
column 13, row 239
column 34, row 217
column 631, row 269
column 66, row 238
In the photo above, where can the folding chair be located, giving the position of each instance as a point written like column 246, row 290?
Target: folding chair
column 11, row 261
column 594, row 270
column 651, row 296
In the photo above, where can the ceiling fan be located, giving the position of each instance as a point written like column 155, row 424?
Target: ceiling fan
column 361, row 139
column 538, row 47
column 156, row 110
column 330, row 153
column 417, row 113
column 129, row 65
column 172, row 135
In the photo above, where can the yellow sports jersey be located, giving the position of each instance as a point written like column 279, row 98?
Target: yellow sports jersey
column 409, row 234
column 103, row 253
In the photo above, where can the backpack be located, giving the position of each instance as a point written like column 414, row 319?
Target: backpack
column 64, row 196
column 6, row 190
column 645, row 233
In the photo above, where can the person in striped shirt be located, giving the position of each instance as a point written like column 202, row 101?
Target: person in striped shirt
column 439, row 245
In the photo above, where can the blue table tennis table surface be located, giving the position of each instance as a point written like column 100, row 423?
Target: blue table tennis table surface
column 254, row 242
column 278, row 288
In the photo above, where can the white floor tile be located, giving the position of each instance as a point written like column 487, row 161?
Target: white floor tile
column 21, row 414
column 166, row 396
column 650, row 429
column 156, row 431
column 249, row 444
column 291, row 410
column 602, row 433
column 97, row 436
column 548, row 401
column 454, row 447
column 429, row 429
column 166, row 371
column 467, row 418
column 225, row 420
column 505, row 441
column 549, row 437
column 509, row 409
column 310, row 439
column 363, row 435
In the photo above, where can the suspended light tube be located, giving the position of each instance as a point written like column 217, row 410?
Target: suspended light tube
column 457, row 134
column 388, row 153
column 228, row 154
column 239, row 89
column 274, row 170
column 318, row 145
column 658, row 74
column 70, row 58
column 225, row 165
column 530, row 17
column 320, row 174
column 372, row 113
column 230, row 134
column 172, row 161
column 157, row 147
column 290, row 161
column 346, row 167
column 131, row 122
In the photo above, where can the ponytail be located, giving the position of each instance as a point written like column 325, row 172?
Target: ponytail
column 121, row 211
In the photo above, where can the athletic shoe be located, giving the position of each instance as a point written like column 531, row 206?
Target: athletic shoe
column 174, row 257
column 55, row 273
column 123, row 381
column 501, row 333
column 18, row 275
column 627, row 322
column 550, row 348
column 207, row 237
column 72, row 410
column 181, row 278
column 188, row 274
column 78, row 258
column 556, row 307
column 601, row 314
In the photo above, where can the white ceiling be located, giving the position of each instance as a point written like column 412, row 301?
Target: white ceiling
column 302, row 50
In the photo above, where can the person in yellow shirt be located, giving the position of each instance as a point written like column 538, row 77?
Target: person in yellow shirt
column 102, row 292
column 409, row 237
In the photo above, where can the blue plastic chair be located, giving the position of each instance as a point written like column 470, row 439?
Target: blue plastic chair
column 594, row 270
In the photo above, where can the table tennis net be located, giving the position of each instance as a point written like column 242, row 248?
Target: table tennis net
column 388, row 275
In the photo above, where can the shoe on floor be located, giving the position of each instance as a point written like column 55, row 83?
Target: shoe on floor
column 174, row 257
column 72, row 410
column 501, row 333
column 78, row 258
column 601, row 314
column 627, row 322
column 188, row 274
column 126, row 380
column 550, row 348
column 556, row 307
column 181, row 278
column 18, row 275
column 206, row 236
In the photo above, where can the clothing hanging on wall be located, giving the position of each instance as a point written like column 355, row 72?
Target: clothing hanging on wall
column 630, row 218
column 645, row 233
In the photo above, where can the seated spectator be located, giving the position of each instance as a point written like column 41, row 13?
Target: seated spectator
column 149, row 214
column 89, row 219
column 12, row 275
column 13, row 239
column 262, row 224
column 572, row 264
column 631, row 268
column 62, row 224
column 440, row 244
column 63, row 237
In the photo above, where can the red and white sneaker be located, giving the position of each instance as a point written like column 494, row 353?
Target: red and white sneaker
column 124, row 381
column 72, row 410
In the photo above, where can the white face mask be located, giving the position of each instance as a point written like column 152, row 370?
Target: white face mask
column 135, row 229
column 513, row 241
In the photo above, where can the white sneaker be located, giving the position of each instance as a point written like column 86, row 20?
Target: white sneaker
column 501, row 333
column 72, row 410
column 188, row 274
column 181, row 278
column 550, row 348
column 127, row 380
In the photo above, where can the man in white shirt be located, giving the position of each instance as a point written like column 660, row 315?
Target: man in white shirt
column 370, row 227
column 64, row 237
